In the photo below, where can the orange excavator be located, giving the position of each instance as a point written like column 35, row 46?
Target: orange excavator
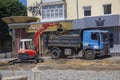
column 29, row 49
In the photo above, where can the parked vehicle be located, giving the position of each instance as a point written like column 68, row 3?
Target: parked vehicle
column 87, row 44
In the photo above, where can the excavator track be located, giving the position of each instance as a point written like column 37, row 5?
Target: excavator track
column 14, row 61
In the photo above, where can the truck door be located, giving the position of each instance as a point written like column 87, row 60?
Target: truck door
column 95, row 40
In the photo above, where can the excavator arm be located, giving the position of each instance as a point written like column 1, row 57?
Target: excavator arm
column 39, row 33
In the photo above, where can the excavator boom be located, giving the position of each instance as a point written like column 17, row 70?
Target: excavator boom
column 39, row 33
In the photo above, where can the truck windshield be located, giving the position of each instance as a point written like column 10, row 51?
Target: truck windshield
column 104, row 36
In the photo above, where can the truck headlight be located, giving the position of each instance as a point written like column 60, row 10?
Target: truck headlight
column 96, row 47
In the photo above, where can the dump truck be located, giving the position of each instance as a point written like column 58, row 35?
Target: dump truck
column 86, row 43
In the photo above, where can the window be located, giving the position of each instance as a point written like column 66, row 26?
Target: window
column 29, row 45
column 52, row 12
column 95, row 36
column 87, row 11
column 107, row 9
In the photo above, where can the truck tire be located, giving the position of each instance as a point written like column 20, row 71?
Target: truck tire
column 55, row 54
column 89, row 55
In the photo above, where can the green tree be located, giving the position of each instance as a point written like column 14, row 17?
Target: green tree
column 9, row 8
column 12, row 8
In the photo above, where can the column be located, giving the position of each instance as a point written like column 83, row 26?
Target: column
column 13, row 40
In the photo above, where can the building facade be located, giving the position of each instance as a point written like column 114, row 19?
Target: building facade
column 74, row 15
column 50, row 10
column 99, row 14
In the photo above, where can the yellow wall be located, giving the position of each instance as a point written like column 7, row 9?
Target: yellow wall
column 96, row 7
column 71, row 9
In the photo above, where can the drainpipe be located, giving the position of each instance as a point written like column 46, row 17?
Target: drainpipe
column 77, row 9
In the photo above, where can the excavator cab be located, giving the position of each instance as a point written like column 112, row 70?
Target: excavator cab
column 26, row 44
column 27, row 51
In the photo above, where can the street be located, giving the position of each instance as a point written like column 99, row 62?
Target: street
column 107, row 63
column 65, row 69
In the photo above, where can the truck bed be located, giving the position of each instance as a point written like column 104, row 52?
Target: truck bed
column 63, row 41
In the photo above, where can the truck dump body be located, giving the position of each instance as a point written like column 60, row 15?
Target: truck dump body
column 63, row 40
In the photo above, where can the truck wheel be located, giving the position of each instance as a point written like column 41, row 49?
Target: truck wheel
column 89, row 54
column 55, row 54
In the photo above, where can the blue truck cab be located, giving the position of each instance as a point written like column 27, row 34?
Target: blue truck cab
column 95, row 43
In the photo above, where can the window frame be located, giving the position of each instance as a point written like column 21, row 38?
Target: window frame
column 56, row 13
column 107, row 12
column 87, row 8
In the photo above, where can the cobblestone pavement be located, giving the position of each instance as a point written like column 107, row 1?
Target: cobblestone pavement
column 65, row 74
column 80, row 75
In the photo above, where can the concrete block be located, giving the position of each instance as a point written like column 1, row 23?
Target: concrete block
column 15, row 78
